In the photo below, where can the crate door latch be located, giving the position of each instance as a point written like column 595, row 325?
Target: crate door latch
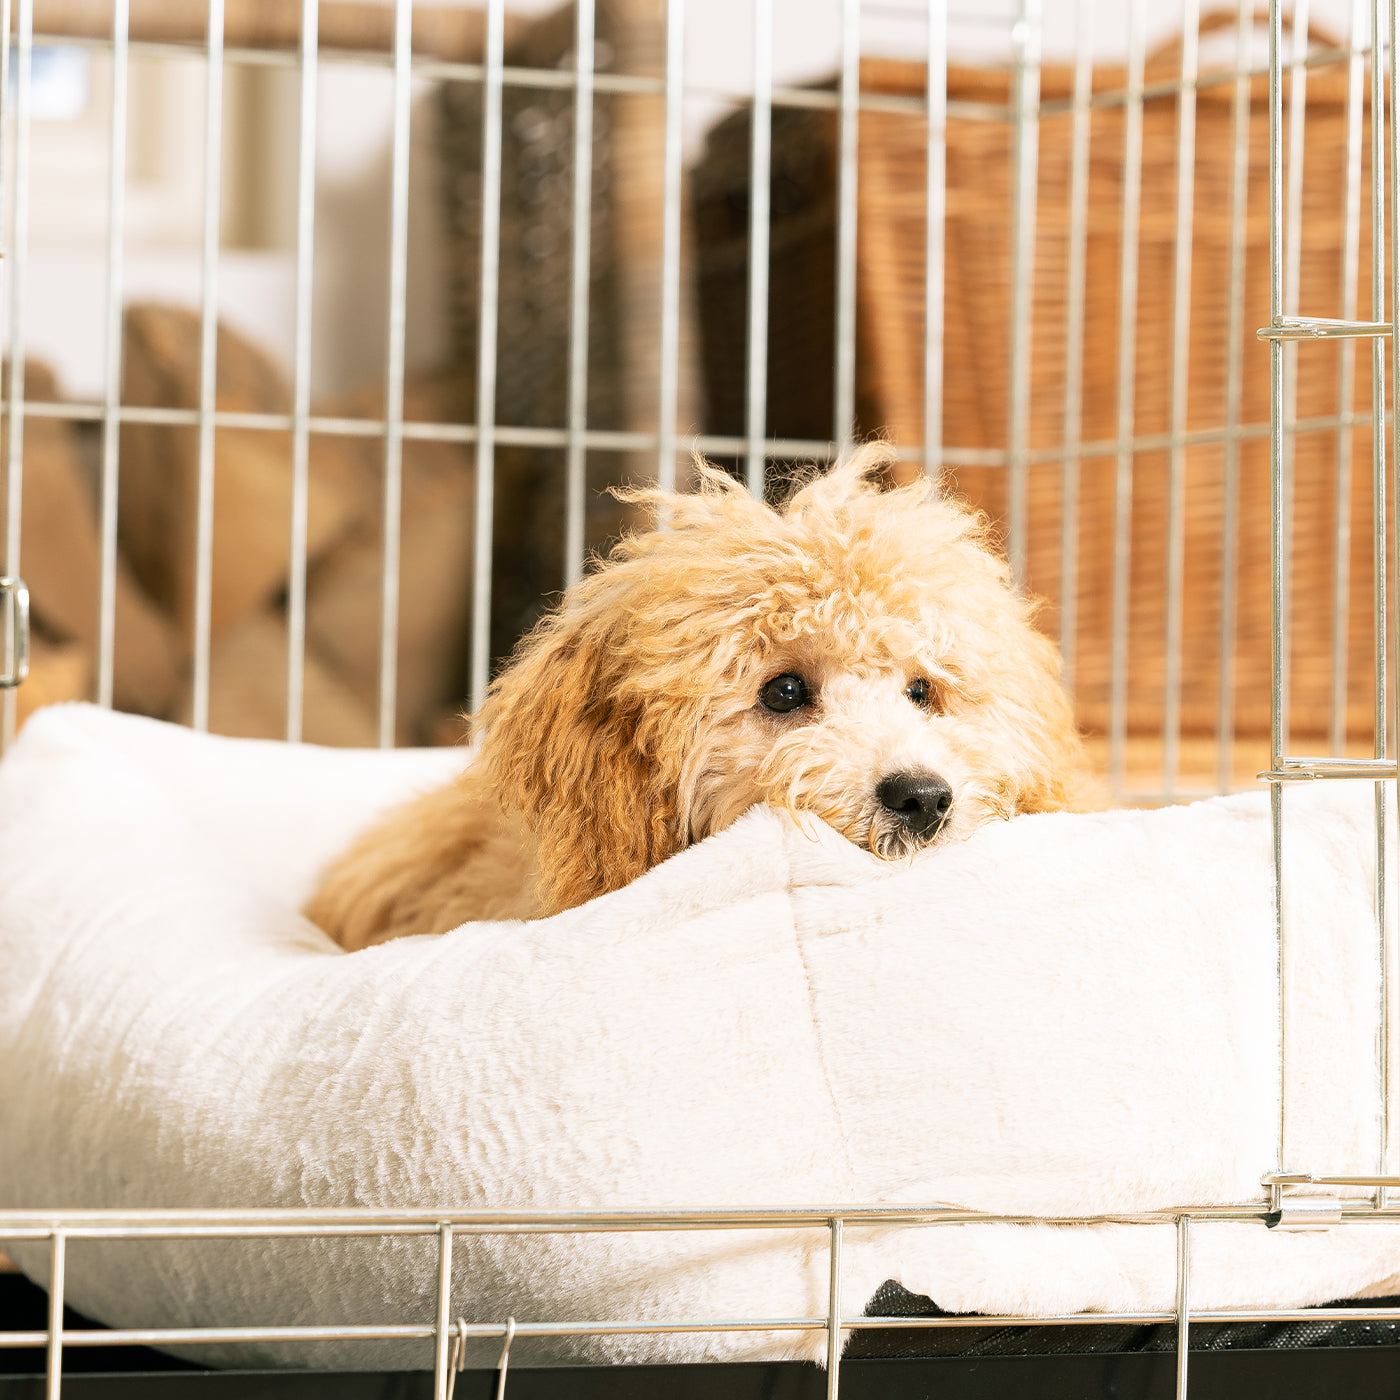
column 14, row 632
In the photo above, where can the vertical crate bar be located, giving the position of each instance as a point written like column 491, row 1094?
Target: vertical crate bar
column 576, row 459
column 833, row 1312
column 1074, row 333
column 208, row 365
column 1292, row 275
column 53, row 1369
column 1378, row 553
column 669, row 396
column 112, row 385
column 6, row 19
column 394, row 372
column 1234, row 364
column 1025, row 158
column 1387, row 700
column 301, row 371
column 1127, row 372
column 1276, row 522
column 935, row 210
column 442, row 1335
column 486, row 352
column 760, row 178
column 13, row 659
column 15, row 267
column 1183, row 1302
column 1346, row 379
column 1378, row 557
column 848, row 182
column 1181, row 354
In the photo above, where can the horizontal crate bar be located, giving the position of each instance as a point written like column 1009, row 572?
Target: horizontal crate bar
column 1306, row 770
column 708, row 444
column 427, row 66
column 194, row 1336
column 1313, row 1179
column 388, row 1332
column 1333, row 1314
column 816, row 99
column 181, row 1336
column 1192, row 437
column 172, row 1224
column 600, row 439
column 1320, row 328
column 293, row 1222
column 1210, row 78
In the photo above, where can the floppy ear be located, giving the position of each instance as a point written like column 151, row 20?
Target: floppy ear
column 1047, row 766
column 586, row 760
column 1057, row 781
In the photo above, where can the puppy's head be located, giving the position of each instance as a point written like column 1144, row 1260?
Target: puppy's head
column 859, row 655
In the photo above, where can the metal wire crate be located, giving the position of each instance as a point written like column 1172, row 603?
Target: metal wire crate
column 1289, row 1196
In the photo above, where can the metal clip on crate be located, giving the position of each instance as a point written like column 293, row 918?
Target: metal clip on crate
column 1297, row 1213
column 1309, row 1205
column 14, row 597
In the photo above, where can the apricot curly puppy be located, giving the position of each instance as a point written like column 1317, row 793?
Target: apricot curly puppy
column 859, row 655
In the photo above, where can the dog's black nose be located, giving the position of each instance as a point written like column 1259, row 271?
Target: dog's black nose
column 921, row 801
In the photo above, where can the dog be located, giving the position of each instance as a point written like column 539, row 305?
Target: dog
column 858, row 655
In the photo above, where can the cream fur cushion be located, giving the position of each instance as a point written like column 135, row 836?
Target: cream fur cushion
column 1064, row 1015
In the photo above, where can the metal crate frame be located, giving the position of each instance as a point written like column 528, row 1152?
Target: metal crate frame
column 1289, row 1199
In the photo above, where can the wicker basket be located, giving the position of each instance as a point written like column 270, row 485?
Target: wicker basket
column 975, row 405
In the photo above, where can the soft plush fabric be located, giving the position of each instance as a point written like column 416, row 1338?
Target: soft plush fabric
column 1063, row 1015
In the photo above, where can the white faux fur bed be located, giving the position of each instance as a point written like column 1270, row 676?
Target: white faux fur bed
column 1065, row 1015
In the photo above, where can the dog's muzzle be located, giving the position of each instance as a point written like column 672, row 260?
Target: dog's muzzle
column 922, row 801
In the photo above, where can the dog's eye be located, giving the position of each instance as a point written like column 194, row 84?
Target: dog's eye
column 784, row 693
column 917, row 690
